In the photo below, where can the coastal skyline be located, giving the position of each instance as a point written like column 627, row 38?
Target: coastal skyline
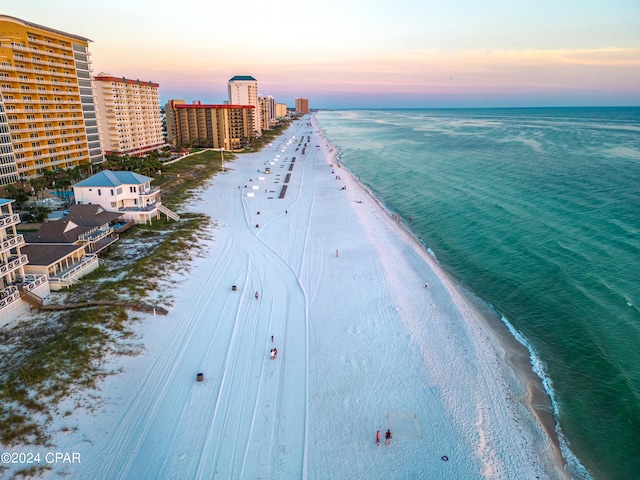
column 374, row 54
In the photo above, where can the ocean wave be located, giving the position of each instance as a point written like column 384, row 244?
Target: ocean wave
column 574, row 466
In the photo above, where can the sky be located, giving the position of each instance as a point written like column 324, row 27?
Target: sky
column 365, row 54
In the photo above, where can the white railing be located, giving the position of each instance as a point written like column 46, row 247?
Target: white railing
column 8, row 220
column 13, row 264
column 69, row 277
column 172, row 215
column 95, row 234
column 12, row 242
column 33, row 281
column 8, row 295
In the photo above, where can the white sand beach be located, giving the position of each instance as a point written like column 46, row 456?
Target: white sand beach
column 362, row 345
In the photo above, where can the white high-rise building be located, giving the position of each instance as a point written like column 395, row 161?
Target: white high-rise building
column 128, row 115
column 243, row 90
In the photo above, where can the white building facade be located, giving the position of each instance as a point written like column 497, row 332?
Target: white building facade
column 19, row 290
column 243, row 90
column 129, row 115
column 126, row 192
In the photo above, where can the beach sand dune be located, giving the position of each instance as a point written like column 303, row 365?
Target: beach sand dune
column 362, row 346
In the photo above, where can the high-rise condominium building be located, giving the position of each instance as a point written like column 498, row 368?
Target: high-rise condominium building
column 47, row 98
column 281, row 110
column 243, row 90
column 302, row 105
column 215, row 126
column 129, row 115
column 267, row 111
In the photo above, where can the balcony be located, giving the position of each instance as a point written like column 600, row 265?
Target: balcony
column 11, row 68
column 9, row 295
column 12, row 242
column 71, row 275
column 23, row 48
column 44, row 82
column 14, row 262
column 8, row 220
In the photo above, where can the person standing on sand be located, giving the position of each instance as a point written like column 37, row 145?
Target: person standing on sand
column 378, row 437
column 387, row 437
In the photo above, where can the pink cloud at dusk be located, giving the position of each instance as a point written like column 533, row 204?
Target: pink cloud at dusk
column 479, row 74
column 372, row 52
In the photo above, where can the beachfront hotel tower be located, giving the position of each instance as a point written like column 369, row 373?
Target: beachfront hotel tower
column 302, row 105
column 229, row 127
column 129, row 118
column 47, row 98
column 243, row 90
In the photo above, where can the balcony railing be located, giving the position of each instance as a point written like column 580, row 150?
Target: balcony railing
column 8, row 296
column 15, row 241
column 8, row 220
column 13, row 264
column 30, row 282
column 71, row 275
column 95, row 234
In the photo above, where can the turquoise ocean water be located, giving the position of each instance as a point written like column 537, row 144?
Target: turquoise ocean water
column 537, row 212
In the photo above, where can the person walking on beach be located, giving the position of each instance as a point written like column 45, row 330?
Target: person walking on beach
column 426, row 285
column 387, row 437
column 378, row 437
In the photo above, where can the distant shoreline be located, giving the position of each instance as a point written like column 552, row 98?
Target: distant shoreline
column 476, row 109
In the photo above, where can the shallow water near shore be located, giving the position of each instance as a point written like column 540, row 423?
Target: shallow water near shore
column 535, row 211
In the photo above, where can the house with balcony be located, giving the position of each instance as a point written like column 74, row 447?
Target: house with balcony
column 88, row 225
column 19, row 288
column 66, row 249
column 128, row 193
column 63, row 263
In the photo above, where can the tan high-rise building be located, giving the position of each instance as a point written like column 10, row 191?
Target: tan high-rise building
column 243, row 90
column 267, row 111
column 281, row 110
column 215, row 126
column 128, row 115
column 302, row 105
column 47, row 97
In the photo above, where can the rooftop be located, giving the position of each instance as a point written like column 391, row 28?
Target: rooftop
column 107, row 178
column 240, row 78
column 42, row 27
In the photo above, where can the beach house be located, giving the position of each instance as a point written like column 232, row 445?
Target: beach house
column 19, row 289
column 62, row 263
column 128, row 193
column 66, row 249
